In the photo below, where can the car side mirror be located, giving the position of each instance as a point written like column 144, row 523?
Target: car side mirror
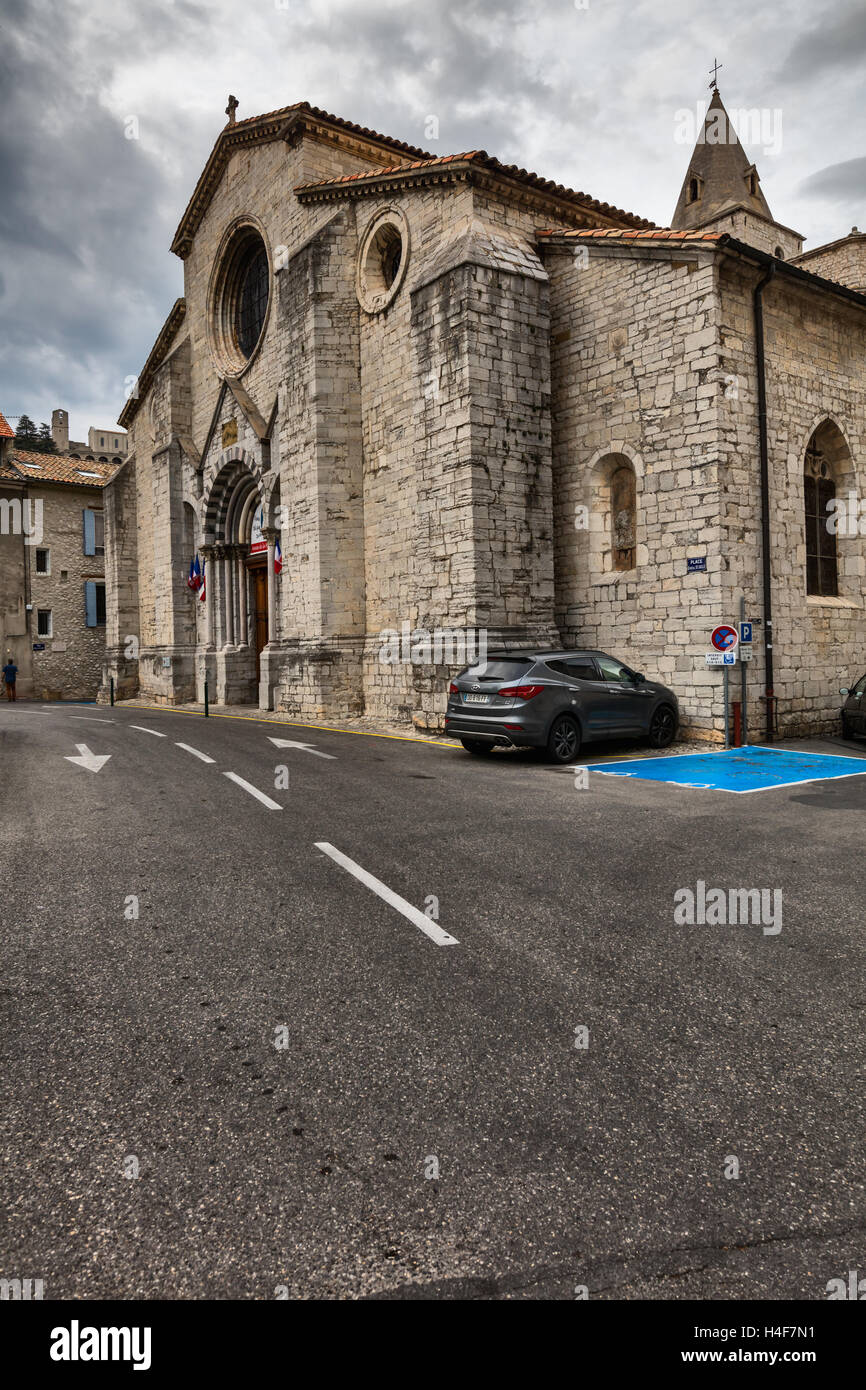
column 638, row 677
column 844, row 690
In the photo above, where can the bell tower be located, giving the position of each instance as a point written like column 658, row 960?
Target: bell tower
column 60, row 430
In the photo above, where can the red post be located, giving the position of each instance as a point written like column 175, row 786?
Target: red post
column 738, row 723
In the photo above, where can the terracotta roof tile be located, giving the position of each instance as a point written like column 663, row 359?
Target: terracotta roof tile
column 480, row 157
column 56, row 468
column 6, row 431
column 621, row 234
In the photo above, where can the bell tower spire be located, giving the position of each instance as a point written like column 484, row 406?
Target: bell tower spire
column 720, row 176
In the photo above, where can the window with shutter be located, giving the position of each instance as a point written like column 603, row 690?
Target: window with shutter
column 90, row 603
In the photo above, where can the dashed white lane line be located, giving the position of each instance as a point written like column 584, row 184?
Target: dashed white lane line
column 143, row 730
column 253, row 791
column 90, row 719
column 195, row 752
column 427, row 925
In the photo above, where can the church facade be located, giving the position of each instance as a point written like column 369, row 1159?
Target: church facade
column 424, row 395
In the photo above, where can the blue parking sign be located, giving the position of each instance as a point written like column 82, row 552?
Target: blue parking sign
column 745, row 632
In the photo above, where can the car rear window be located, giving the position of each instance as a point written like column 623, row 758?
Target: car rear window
column 497, row 670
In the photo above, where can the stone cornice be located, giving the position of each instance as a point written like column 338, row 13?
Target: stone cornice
column 164, row 340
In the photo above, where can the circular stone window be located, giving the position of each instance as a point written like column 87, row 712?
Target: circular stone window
column 239, row 297
column 382, row 260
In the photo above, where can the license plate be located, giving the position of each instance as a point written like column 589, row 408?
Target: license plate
column 476, row 699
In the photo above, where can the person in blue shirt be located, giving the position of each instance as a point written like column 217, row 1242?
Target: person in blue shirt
column 10, row 671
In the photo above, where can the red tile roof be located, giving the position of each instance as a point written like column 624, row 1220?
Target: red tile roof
column 620, row 234
column 6, row 432
column 24, row 464
column 481, row 159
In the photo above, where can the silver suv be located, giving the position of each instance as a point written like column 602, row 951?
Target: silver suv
column 557, row 701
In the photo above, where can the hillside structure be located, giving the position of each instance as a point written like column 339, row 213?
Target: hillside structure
column 404, row 392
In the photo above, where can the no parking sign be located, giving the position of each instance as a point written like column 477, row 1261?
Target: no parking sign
column 724, row 638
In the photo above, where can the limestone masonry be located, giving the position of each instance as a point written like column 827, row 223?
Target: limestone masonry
column 443, row 392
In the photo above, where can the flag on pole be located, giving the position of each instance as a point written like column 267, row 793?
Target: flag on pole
column 194, row 577
column 203, row 581
column 278, row 558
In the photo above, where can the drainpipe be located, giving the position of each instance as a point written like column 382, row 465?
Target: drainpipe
column 769, row 699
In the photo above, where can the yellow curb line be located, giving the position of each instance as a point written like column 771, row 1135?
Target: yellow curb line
column 292, row 724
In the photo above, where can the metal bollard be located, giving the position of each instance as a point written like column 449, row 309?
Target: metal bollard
column 205, row 701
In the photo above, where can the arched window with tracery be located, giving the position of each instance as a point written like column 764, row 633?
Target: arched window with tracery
column 819, row 486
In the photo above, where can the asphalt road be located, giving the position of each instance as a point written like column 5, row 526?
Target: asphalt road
column 427, row 1126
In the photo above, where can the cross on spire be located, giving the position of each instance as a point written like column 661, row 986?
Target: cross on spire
column 714, row 73
column 231, row 109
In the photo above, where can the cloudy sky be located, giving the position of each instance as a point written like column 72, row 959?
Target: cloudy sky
column 587, row 92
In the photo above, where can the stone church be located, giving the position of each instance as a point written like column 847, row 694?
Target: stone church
column 413, row 393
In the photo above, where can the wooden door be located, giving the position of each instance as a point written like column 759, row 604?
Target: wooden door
column 260, row 606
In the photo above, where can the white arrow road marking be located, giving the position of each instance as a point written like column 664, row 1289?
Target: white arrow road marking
column 427, row 925
column 307, row 747
column 143, row 730
column 254, row 791
column 92, row 761
column 195, row 753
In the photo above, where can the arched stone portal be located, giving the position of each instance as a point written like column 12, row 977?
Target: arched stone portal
column 240, row 583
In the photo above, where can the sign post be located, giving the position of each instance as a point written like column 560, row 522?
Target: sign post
column 746, row 642
column 724, row 639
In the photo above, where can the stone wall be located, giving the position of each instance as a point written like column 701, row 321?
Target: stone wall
column 819, row 643
column 637, row 376
column 843, row 261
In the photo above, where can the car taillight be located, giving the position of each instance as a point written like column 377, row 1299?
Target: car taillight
column 453, row 689
column 521, row 692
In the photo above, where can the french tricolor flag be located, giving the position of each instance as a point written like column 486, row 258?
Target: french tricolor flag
column 203, row 582
column 278, row 558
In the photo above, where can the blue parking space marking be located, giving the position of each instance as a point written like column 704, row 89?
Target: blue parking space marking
column 739, row 770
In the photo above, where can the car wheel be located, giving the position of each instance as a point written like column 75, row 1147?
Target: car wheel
column 477, row 746
column 563, row 742
column 663, row 727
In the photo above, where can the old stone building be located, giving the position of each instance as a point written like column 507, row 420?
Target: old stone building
column 456, row 395
column 52, row 571
column 102, row 445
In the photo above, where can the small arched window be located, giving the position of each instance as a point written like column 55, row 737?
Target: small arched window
column 694, row 190
column 819, row 489
column 779, row 253
column 623, row 517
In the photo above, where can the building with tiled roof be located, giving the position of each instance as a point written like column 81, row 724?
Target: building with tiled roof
column 462, row 397
column 52, row 570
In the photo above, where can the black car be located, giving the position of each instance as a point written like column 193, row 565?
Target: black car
column 854, row 709
column 556, row 700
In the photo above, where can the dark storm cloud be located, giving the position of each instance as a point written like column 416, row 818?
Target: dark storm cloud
column 835, row 43
column 843, row 183
column 81, row 218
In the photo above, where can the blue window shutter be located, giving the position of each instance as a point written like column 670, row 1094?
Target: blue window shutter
column 90, row 603
column 89, row 532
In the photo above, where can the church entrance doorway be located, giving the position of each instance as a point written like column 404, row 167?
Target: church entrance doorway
column 259, row 576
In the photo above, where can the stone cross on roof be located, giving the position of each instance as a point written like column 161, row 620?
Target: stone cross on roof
column 231, row 109
column 714, row 73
